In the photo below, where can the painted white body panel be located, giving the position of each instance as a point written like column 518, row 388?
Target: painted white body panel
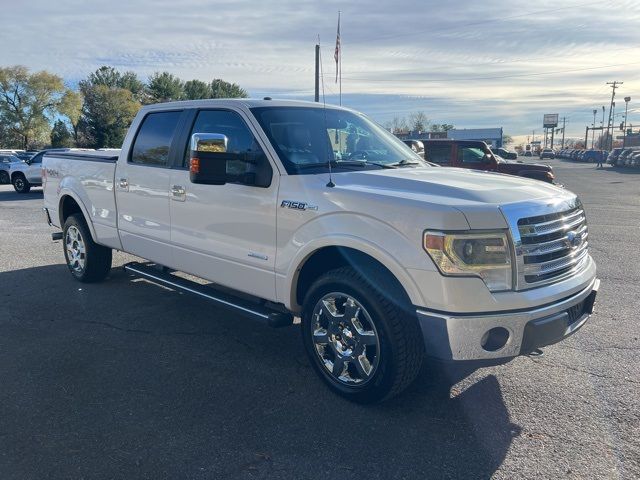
column 241, row 237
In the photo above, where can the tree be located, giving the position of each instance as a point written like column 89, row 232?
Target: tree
column 222, row 89
column 164, row 87
column 196, row 90
column 27, row 100
column 507, row 139
column 130, row 81
column 71, row 107
column 107, row 114
column 60, row 135
column 418, row 121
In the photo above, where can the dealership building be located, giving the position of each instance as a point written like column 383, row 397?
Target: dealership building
column 492, row 136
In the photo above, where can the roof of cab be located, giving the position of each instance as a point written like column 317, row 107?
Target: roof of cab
column 226, row 102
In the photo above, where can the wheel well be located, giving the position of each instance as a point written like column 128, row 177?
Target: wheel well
column 17, row 174
column 330, row 258
column 68, row 206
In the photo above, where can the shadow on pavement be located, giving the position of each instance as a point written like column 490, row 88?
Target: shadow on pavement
column 7, row 195
column 130, row 380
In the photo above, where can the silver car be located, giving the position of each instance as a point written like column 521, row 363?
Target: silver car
column 27, row 174
column 6, row 160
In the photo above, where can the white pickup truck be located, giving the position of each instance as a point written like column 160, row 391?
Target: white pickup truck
column 298, row 209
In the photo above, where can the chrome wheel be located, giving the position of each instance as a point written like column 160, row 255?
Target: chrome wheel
column 76, row 250
column 345, row 339
column 18, row 183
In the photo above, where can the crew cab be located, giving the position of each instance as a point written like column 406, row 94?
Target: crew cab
column 476, row 155
column 297, row 209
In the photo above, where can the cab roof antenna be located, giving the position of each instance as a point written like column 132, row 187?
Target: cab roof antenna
column 330, row 184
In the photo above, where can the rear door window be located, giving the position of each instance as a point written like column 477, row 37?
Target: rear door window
column 440, row 154
column 470, row 155
column 152, row 144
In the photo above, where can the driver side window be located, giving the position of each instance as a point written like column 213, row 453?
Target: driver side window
column 470, row 155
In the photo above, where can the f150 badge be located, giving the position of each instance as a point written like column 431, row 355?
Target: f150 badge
column 298, row 205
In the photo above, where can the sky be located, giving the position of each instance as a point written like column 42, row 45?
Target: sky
column 490, row 63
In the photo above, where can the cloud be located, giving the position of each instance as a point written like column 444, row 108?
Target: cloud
column 491, row 63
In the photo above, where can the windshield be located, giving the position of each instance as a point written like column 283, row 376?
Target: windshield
column 307, row 138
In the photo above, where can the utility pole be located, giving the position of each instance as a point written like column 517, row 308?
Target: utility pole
column 593, row 132
column 317, row 96
column 624, row 132
column 564, row 119
column 614, row 85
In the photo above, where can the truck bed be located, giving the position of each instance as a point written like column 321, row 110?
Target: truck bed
column 88, row 177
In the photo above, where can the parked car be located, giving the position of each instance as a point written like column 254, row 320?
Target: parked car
column 384, row 257
column 416, row 145
column 622, row 158
column 593, row 156
column 28, row 173
column 506, row 154
column 635, row 160
column 476, row 155
column 613, row 156
column 6, row 160
column 547, row 153
column 527, row 153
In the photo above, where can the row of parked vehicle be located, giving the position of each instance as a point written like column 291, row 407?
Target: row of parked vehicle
column 624, row 157
column 581, row 155
column 21, row 168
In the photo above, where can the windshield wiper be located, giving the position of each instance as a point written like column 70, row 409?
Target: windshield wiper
column 403, row 163
column 345, row 163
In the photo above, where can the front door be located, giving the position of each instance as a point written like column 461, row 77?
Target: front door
column 142, row 188
column 227, row 233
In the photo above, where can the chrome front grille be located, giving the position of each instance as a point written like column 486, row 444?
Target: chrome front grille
column 552, row 246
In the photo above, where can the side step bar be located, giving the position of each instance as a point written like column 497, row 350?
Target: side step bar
column 272, row 317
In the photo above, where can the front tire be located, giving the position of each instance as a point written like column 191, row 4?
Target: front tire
column 21, row 184
column 88, row 262
column 362, row 340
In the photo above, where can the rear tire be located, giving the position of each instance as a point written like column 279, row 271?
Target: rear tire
column 361, row 335
column 88, row 262
column 21, row 184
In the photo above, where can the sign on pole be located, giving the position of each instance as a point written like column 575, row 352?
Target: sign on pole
column 550, row 120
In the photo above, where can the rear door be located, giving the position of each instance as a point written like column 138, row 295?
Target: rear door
column 473, row 156
column 227, row 233
column 438, row 153
column 142, row 187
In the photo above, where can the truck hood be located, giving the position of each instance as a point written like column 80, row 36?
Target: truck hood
column 478, row 195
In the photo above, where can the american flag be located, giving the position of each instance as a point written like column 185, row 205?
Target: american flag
column 336, row 55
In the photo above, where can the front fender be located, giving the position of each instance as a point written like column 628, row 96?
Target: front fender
column 359, row 232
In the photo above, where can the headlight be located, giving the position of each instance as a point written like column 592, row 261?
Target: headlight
column 484, row 255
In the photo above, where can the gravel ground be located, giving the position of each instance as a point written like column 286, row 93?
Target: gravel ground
column 128, row 380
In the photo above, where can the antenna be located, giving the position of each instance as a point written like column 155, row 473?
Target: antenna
column 330, row 184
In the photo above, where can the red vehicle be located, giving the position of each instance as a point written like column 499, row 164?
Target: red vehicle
column 477, row 155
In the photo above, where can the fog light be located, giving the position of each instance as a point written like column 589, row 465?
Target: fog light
column 495, row 339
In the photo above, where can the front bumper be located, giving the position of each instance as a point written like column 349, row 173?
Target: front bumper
column 450, row 336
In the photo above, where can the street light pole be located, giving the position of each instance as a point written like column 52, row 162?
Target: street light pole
column 593, row 132
column 626, row 109
column 602, row 129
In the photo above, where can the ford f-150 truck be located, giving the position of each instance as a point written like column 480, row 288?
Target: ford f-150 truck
column 298, row 209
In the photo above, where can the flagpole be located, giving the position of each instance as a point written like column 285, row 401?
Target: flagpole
column 340, row 61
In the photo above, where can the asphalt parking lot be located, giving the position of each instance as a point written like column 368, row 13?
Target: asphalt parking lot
column 125, row 379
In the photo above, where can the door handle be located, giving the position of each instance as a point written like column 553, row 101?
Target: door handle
column 178, row 193
column 124, row 184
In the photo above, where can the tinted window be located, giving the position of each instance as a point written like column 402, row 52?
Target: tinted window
column 438, row 154
column 37, row 158
column 470, row 155
column 251, row 166
column 153, row 141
